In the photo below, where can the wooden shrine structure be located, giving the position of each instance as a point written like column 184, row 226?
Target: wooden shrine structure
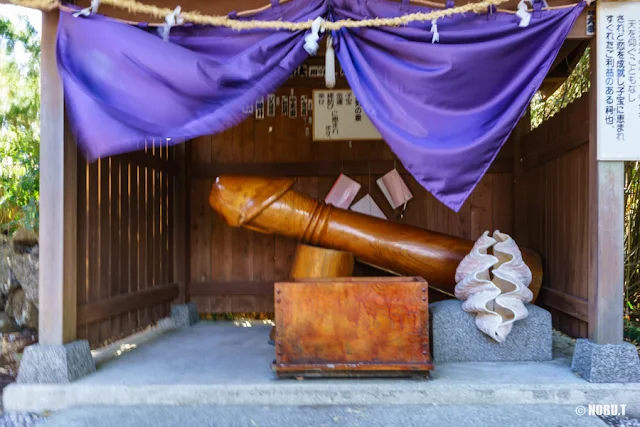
column 124, row 237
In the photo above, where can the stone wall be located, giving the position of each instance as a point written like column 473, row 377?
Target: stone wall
column 18, row 299
column 19, row 281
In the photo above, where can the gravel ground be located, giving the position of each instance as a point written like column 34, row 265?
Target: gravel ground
column 325, row 416
column 621, row 421
column 16, row 419
column 34, row 420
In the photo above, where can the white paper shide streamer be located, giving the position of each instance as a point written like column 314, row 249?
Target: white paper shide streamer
column 523, row 13
column 330, row 64
column 494, row 286
column 434, row 29
column 95, row 4
column 171, row 20
column 311, row 39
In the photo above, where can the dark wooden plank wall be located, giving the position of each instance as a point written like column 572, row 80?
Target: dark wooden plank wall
column 553, row 211
column 125, row 250
column 233, row 270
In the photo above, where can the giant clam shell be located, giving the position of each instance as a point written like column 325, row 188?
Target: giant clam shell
column 493, row 281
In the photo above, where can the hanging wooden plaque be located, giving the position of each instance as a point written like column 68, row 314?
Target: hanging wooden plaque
column 338, row 116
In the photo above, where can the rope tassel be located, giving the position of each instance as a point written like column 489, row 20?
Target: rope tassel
column 434, row 30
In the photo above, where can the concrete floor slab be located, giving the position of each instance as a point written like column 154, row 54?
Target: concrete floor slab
column 215, row 363
column 316, row 416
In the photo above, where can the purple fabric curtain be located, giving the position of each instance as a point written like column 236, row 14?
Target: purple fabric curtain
column 125, row 87
column 446, row 109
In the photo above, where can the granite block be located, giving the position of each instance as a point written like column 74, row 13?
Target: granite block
column 50, row 364
column 455, row 337
column 184, row 315
column 606, row 363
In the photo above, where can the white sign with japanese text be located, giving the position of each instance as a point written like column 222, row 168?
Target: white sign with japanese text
column 618, row 62
column 338, row 116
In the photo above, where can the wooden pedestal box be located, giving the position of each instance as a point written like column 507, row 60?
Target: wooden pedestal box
column 354, row 326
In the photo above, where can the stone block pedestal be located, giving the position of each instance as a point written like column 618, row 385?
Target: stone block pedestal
column 182, row 316
column 606, row 363
column 47, row 364
column 185, row 314
column 455, row 337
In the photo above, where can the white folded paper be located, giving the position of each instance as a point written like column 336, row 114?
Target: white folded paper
column 367, row 206
column 343, row 192
column 394, row 189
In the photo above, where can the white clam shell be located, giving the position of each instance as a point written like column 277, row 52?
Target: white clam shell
column 493, row 281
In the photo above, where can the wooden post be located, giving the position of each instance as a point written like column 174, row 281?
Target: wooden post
column 58, row 202
column 606, row 233
column 180, row 227
column 520, row 212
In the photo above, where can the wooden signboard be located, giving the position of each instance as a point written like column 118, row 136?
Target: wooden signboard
column 338, row 116
column 618, row 76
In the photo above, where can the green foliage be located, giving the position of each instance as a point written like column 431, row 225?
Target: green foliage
column 543, row 108
column 632, row 331
column 632, row 238
column 19, row 124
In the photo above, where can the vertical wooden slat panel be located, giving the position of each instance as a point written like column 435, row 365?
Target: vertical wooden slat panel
column 551, row 197
column 268, row 147
column 93, row 265
column 134, row 235
column 222, row 150
column 482, row 207
column 502, row 193
column 203, row 259
column 150, row 216
column 83, row 239
column 181, row 221
column 124, row 227
column 143, row 224
column 114, row 243
column 264, row 245
column 124, row 236
column 283, row 257
column 199, row 224
column 167, row 230
column 157, row 229
column 462, row 221
column 241, row 149
column 105, row 239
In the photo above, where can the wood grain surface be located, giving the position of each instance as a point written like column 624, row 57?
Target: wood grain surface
column 271, row 205
column 356, row 325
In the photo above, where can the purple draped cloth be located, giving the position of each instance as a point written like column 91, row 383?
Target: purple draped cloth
column 126, row 87
column 446, row 108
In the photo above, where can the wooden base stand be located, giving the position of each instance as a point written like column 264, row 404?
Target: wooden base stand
column 352, row 327
column 351, row 371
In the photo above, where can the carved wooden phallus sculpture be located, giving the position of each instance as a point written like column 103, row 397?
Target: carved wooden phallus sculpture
column 494, row 286
column 270, row 205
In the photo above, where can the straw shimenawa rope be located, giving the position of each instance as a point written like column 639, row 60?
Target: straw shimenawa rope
column 37, row 4
column 133, row 6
